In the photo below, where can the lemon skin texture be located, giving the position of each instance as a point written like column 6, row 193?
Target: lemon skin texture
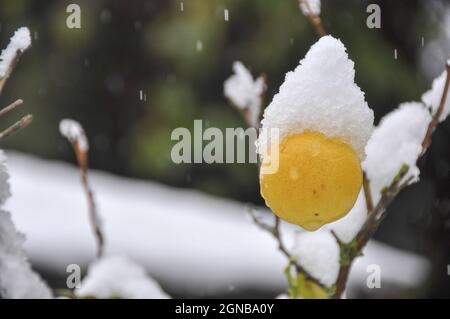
column 317, row 182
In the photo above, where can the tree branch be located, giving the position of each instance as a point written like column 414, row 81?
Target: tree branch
column 20, row 124
column 93, row 215
column 10, row 107
column 275, row 230
column 81, row 154
column 434, row 122
column 367, row 193
column 374, row 219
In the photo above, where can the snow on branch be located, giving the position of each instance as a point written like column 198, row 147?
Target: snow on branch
column 310, row 7
column 318, row 253
column 311, row 10
column 437, row 98
column 402, row 137
column 245, row 93
column 74, row 132
column 20, row 41
column 432, row 98
column 396, row 141
column 17, row 278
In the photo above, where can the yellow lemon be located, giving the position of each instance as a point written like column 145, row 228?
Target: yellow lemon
column 317, row 181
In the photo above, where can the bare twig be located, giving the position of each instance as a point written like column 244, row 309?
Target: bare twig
column 275, row 230
column 76, row 136
column 10, row 107
column 367, row 193
column 269, row 228
column 314, row 19
column 434, row 122
column 93, row 216
column 20, row 124
column 277, row 234
column 82, row 158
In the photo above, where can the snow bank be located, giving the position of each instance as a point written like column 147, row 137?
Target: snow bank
column 191, row 243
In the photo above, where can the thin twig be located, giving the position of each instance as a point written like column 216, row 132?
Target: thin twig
column 434, row 122
column 81, row 154
column 276, row 232
column 82, row 158
column 367, row 193
column 314, row 19
column 269, row 228
column 93, row 216
column 20, row 124
column 10, row 107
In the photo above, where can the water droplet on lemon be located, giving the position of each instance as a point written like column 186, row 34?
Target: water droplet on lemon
column 293, row 173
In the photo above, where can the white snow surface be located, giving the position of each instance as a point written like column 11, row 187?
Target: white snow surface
column 191, row 243
column 17, row 279
column 321, row 95
column 347, row 227
column 432, row 98
column 20, row 41
column 397, row 140
column 318, row 253
column 244, row 92
column 118, row 276
column 310, row 6
column 74, row 132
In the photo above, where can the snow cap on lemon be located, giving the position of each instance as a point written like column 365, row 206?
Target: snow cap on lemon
column 321, row 95
column 324, row 124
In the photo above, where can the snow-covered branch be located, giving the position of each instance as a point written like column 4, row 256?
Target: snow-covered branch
column 20, row 41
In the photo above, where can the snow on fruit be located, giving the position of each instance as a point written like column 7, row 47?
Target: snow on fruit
column 324, row 124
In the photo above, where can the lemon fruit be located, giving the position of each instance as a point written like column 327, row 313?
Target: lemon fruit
column 317, row 181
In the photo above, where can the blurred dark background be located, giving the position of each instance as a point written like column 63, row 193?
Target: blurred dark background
column 95, row 75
